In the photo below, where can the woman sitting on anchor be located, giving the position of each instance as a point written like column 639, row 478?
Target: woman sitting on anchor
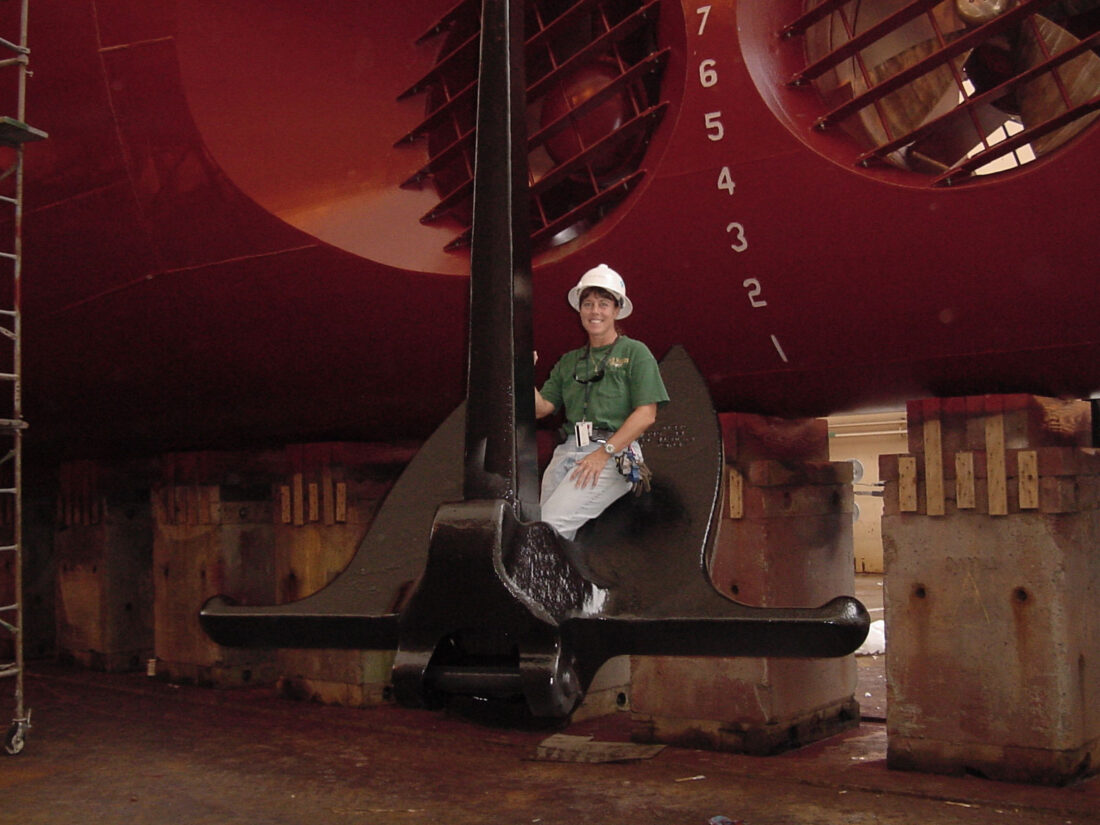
column 611, row 389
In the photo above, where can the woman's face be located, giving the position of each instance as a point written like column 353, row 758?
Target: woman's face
column 598, row 313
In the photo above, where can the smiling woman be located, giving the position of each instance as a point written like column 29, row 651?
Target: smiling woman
column 610, row 389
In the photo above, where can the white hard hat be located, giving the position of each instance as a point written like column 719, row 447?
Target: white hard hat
column 603, row 277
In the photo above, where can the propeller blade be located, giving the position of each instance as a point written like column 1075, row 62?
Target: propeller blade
column 1045, row 97
column 941, row 149
column 931, row 95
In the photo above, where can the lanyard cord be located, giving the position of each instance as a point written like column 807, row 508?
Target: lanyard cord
column 599, row 371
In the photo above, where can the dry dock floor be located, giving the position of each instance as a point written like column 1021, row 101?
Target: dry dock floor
column 125, row 749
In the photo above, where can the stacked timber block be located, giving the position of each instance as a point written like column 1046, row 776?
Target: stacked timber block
column 40, row 571
column 103, row 537
column 327, row 502
column 266, row 528
column 991, row 534
column 214, row 534
column 785, row 540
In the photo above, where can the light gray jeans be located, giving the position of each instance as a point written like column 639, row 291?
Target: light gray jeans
column 565, row 506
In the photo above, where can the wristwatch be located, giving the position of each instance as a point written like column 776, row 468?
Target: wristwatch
column 609, row 448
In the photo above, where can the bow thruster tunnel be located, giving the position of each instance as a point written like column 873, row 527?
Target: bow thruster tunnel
column 458, row 575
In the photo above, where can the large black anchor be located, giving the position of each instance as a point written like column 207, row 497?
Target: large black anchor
column 456, row 574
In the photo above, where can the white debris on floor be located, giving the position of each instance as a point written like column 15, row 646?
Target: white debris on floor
column 875, row 643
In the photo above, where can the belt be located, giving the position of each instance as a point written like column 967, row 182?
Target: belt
column 598, row 435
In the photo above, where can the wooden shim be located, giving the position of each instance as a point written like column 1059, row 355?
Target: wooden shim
column 87, row 494
column 212, row 505
column 933, row 467
column 965, row 495
column 907, row 483
column 314, row 501
column 194, row 505
column 341, row 502
column 736, row 488
column 297, row 495
column 328, row 496
column 302, row 502
column 1027, row 463
column 995, row 464
column 179, row 507
column 284, row 504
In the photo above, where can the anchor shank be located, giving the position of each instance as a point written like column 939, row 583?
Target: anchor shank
column 500, row 455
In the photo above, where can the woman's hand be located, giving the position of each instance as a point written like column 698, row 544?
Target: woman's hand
column 588, row 469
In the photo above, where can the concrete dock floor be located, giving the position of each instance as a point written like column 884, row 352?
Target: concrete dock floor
column 125, row 749
column 129, row 750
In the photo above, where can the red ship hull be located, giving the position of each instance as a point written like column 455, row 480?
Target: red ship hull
column 218, row 251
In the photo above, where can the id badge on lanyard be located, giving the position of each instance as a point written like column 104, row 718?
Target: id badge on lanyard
column 584, row 432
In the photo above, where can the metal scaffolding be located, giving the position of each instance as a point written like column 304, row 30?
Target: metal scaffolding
column 14, row 134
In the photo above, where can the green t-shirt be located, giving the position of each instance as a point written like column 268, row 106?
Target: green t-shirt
column 631, row 379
